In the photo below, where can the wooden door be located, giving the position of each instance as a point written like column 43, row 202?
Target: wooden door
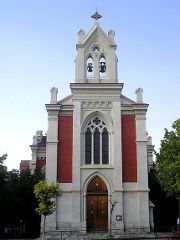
column 97, row 212
column 102, row 212
column 97, row 205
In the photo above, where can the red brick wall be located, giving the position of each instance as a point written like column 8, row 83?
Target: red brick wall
column 24, row 164
column 40, row 162
column 129, row 159
column 65, row 134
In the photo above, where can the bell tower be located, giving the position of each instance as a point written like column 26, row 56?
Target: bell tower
column 96, row 61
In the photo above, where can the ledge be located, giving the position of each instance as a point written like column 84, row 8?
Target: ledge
column 98, row 166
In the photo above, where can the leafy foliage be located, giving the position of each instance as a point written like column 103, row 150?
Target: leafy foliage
column 2, row 158
column 167, row 166
column 166, row 208
column 46, row 194
column 17, row 200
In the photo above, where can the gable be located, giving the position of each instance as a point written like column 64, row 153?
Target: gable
column 126, row 101
column 96, row 34
column 66, row 101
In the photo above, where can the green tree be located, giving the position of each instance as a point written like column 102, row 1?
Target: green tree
column 46, row 194
column 2, row 158
column 166, row 208
column 167, row 167
column 17, row 200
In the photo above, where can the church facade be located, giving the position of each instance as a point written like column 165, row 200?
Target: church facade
column 96, row 146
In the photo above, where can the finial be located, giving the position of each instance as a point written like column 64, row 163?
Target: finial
column 54, row 92
column 139, row 96
column 96, row 15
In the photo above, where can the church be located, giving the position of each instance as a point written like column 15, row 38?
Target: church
column 97, row 146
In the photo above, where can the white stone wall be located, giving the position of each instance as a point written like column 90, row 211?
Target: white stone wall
column 51, row 149
column 98, row 97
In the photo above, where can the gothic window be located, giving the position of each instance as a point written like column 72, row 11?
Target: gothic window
column 102, row 67
column 90, row 68
column 96, row 142
column 105, row 146
column 96, row 146
column 88, row 146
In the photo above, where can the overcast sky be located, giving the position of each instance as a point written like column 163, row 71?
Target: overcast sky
column 37, row 52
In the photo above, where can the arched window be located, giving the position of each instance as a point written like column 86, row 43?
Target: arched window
column 96, row 142
column 102, row 67
column 90, row 68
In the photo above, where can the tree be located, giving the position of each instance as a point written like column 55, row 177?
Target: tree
column 165, row 211
column 2, row 158
column 46, row 195
column 167, row 167
column 17, row 200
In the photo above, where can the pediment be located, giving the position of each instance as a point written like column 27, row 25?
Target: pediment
column 126, row 101
column 66, row 101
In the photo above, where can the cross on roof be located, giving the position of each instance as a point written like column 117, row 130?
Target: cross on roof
column 96, row 15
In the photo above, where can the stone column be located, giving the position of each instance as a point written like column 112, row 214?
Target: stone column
column 76, row 166
column 117, row 145
column 142, row 170
column 51, row 149
column 96, row 68
column 117, row 196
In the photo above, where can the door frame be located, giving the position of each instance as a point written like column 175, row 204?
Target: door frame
column 84, row 206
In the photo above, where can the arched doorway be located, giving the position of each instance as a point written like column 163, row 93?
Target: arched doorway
column 97, row 205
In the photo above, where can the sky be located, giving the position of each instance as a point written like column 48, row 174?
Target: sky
column 37, row 51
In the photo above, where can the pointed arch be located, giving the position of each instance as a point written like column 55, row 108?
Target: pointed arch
column 89, row 67
column 97, row 198
column 104, row 117
column 100, row 175
column 97, row 185
column 102, row 67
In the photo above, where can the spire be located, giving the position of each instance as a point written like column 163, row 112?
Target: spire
column 96, row 15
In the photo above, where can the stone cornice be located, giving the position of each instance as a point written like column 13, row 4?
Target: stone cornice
column 66, row 113
column 53, row 111
column 53, row 107
column 99, row 166
column 51, row 141
column 96, row 88
column 140, row 108
column 127, row 112
column 66, row 108
column 141, row 140
column 96, row 97
column 137, row 190
column 127, row 109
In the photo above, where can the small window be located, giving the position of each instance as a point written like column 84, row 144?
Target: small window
column 96, row 49
column 90, row 68
column 102, row 67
